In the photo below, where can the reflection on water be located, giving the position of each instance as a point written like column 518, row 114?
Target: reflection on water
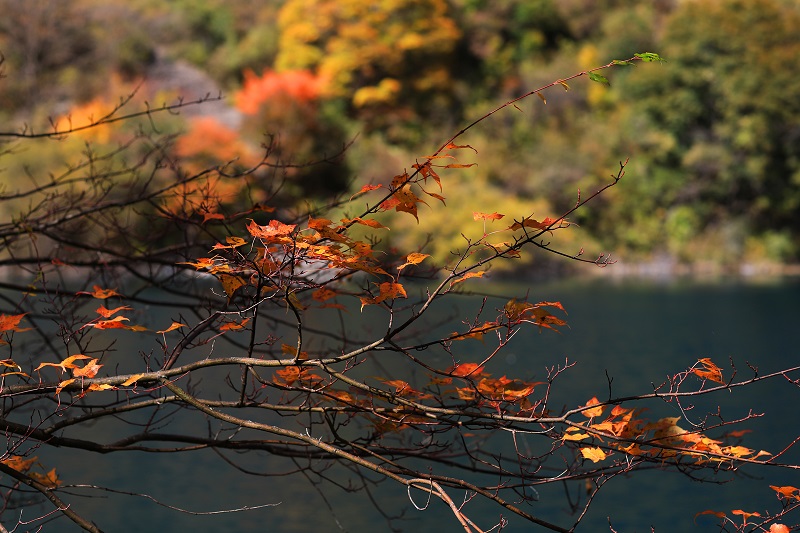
column 624, row 337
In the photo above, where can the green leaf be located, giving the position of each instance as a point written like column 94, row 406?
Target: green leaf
column 598, row 78
column 649, row 57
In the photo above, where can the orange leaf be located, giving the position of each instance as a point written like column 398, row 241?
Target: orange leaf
column 319, row 223
column 64, row 384
column 413, row 259
column 18, row 463
column 89, row 370
column 532, row 223
column 112, row 323
column 486, row 216
column 364, row 222
column 98, row 386
column 744, row 514
column 476, row 332
column 101, row 294
column 231, row 284
column 212, row 216
column 709, row 511
column 466, row 370
column 9, row 363
column 233, row 326
column 402, row 388
column 342, row 396
column 738, row 451
column 11, row 322
column 173, row 327
column 467, row 276
column 287, row 376
column 778, row 528
column 49, row 479
column 131, row 380
column 451, row 146
column 709, row 371
column 233, row 242
column 366, row 188
column 322, row 294
column 595, row 411
column 107, row 313
column 593, row 454
column 203, row 262
column 66, row 363
column 387, row 290
column 787, row 492
column 274, row 229
column 392, row 290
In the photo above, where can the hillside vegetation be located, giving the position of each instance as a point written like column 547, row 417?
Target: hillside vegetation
column 713, row 135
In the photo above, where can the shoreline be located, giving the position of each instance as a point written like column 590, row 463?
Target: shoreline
column 668, row 269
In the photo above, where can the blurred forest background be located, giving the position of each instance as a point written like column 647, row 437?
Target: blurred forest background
column 713, row 135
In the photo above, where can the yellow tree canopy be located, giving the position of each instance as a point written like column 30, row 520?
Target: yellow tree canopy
column 369, row 51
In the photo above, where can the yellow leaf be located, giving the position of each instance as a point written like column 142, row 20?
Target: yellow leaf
column 575, row 436
column 593, row 454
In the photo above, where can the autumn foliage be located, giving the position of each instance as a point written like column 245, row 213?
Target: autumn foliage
column 261, row 336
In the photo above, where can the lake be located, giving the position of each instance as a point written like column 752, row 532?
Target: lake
column 635, row 333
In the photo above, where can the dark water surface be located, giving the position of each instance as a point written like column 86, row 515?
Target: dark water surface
column 635, row 333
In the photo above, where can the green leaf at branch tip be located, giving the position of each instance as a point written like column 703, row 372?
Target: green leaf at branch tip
column 598, row 78
column 650, row 57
